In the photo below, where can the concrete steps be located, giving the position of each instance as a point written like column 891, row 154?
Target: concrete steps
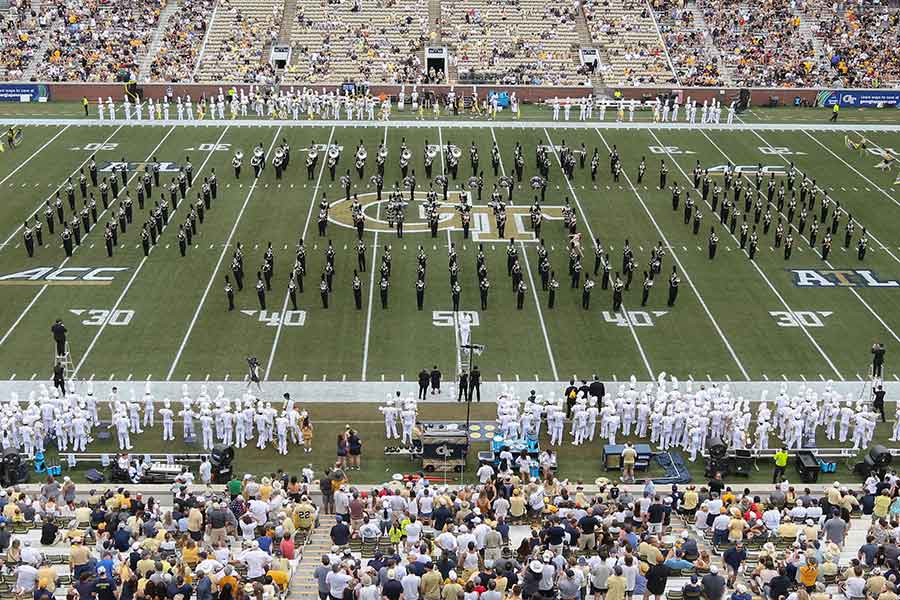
column 287, row 22
column 156, row 42
column 303, row 584
column 700, row 25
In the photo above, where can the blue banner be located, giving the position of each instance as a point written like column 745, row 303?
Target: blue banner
column 858, row 98
column 23, row 92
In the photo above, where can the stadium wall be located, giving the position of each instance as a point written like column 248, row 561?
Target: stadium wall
column 75, row 91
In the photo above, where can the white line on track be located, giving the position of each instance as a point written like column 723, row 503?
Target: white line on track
column 683, row 271
column 75, row 249
column 372, row 266
column 287, row 294
column 759, row 270
column 212, row 277
column 140, row 266
column 816, row 251
column 537, row 300
column 50, row 197
column 587, row 225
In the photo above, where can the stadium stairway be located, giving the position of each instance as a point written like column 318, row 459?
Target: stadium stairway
column 287, row 22
column 700, row 25
column 434, row 17
column 303, row 585
column 156, row 42
column 807, row 30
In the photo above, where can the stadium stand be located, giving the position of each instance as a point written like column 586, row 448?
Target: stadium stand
column 526, row 42
column 860, row 44
column 241, row 32
column 182, row 41
column 379, row 41
column 633, row 52
column 20, row 39
column 93, row 41
column 695, row 60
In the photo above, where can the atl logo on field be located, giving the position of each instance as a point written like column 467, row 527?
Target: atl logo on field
column 840, row 278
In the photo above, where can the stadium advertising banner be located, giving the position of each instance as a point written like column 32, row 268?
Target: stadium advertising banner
column 860, row 98
column 24, row 92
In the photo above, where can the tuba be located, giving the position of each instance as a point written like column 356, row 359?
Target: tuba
column 430, row 152
column 361, row 154
column 333, row 152
column 409, row 181
column 440, row 180
column 405, row 157
column 258, row 152
column 382, row 152
column 506, row 181
column 376, row 180
column 312, row 155
column 537, row 182
column 473, row 182
column 455, row 152
column 239, row 155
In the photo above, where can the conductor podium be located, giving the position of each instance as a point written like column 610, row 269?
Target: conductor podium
column 612, row 457
column 444, row 450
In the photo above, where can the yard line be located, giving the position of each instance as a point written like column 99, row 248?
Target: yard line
column 537, row 301
column 372, row 265
column 287, row 294
column 816, row 251
column 33, row 154
column 457, row 349
column 140, row 266
column 684, row 271
column 212, row 277
column 50, row 197
column 75, row 249
column 587, row 225
column 758, row 269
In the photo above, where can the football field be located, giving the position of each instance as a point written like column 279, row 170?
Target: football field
column 164, row 317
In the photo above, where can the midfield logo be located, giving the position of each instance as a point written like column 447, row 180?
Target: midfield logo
column 139, row 167
column 62, row 276
column 749, row 169
column 840, row 278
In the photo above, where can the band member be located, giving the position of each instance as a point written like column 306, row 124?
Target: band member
column 383, row 287
column 323, row 291
column 826, row 246
column 520, row 295
column 788, row 246
column 483, row 287
column 552, row 286
column 236, row 163
column 108, row 240
column 754, row 243
column 182, row 240
column 66, row 236
column 145, row 240
column 861, row 245
column 673, row 287
column 357, row 290
column 48, row 216
column 260, row 290
column 586, row 293
column 420, row 292
column 648, row 284
column 229, row 293
column 28, row 237
column 712, row 243
column 663, row 173
column 618, row 286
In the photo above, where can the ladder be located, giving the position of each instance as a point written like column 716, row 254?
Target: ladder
column 68, row 367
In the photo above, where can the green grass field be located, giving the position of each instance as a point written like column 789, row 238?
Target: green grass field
column 167, row 319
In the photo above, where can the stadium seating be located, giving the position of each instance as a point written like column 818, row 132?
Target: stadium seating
column 240, row 35
column 182, row 41
column 380, row 41
column 524, row 42
column 19, row 39
column 860, row 44
column 92, row 40
column 695, row 59
column 626, row 34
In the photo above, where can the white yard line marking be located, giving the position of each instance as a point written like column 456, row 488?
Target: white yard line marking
column 372, row 266
column 537, row 300
column 287, row 294
column 75, row 249
column 683, row 271
column 587, row 225
column 212, row 277
column 458, row 350
column 758, row 269
column 140, row 266
column 816, row 250
column 50, row 197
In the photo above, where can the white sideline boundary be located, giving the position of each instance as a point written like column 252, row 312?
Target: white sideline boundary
column 464, row 124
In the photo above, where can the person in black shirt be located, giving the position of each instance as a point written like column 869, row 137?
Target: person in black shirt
column 59, row 380
column 780, row 585
column 587, row 539
column 392, row 589
column 463, row 387
column 878, row 403
column 435, row 380
column 716, row 485
column 59, row 336
column 475, row 383
column 877, row 359
column 340, row 533
column 657, row 576
column 424, row 379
